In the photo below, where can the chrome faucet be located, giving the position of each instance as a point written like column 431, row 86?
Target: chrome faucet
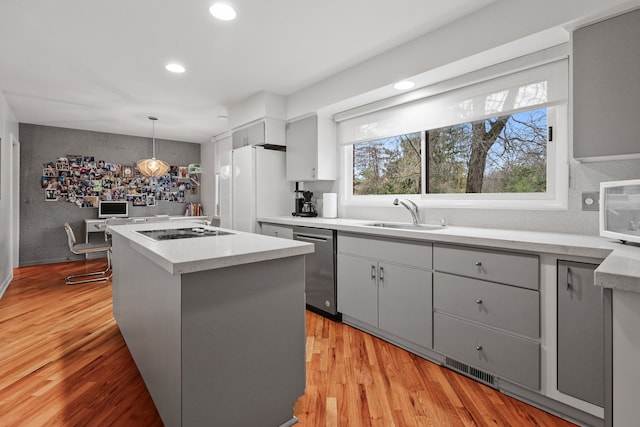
column 411, row 207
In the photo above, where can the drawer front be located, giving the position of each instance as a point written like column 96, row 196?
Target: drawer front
column 501, row 354
column 503, row 267
column 405, row 252
column 277, row 231
column 506, row 307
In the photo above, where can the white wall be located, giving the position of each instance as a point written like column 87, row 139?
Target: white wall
column 504, row 30
column 8, row 126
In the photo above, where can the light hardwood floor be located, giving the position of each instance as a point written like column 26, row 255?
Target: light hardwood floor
column 63, row 362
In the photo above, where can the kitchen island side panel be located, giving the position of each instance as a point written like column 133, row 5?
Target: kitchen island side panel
column 146, row 306
column 243, row 336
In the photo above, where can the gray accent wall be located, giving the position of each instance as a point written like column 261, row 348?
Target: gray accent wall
column 42, row 236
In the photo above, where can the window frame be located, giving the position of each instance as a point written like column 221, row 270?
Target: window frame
column 555, row 198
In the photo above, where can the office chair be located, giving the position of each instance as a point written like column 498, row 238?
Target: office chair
column 85, row 248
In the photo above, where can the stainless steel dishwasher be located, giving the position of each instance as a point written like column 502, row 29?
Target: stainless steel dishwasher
column 320, row 269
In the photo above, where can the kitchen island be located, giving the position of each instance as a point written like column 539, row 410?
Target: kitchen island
column 215, row 323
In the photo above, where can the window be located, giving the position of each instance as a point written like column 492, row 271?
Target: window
column 388, row 166
column 482, row 145
column 504, row 154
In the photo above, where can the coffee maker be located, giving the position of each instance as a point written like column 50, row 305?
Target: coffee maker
column 303, row 205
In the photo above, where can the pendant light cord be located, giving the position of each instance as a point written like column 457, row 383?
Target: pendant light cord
column 153, row 134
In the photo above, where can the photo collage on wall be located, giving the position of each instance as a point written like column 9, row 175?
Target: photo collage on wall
column 84, row 181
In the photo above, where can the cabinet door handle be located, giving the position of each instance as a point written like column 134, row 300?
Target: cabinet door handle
column 479, row 348
column 569, row 285
column 478, row 301
column 373, row 274
column 382, row 276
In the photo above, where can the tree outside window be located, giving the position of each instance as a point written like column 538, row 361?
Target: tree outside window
column 502, row 154
column 388, row 166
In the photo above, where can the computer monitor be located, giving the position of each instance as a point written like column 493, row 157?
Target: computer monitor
column 113, row 209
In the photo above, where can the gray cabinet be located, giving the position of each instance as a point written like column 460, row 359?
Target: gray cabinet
column 487, row 311
column 606, row 87
column 512, row 308
column 581, row 333
column 358, row 288
column 386, row 284
column 276, row 230
column 502, row 267
column 265, row 132
column 508, row 356
column 311, row 149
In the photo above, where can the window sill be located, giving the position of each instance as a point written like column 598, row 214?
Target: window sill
column 465, row 202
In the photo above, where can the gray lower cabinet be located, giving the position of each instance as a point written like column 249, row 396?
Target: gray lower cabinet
column 377, row 287
column 404, row 302
column 506, row 355
column 508, row 307
column 276, row 230
column 358, row 288
column 487, row 311
column 581, row 333
column 497, row 266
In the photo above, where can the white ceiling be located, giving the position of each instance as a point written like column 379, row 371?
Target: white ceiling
column 100, row 65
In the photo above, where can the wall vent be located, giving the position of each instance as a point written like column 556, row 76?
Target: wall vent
column 469, row 371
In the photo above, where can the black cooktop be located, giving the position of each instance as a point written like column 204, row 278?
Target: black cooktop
column 182, row 233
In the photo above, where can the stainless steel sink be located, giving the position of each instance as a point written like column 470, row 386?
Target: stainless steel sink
column 417, row 227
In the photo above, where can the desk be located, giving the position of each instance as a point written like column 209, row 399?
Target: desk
column 94, row 226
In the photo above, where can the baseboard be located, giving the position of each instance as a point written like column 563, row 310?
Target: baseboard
column 49, row 261
column 5, row 284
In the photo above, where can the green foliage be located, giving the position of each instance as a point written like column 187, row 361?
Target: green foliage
column 388, row 166
column 513, row 158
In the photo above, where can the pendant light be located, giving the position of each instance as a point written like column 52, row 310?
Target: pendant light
column 153, row 166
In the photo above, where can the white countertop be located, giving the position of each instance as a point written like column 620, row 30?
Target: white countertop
column 181, row 256
column 620, row 269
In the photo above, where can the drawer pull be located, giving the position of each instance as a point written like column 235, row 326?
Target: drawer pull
column 478, row 264
column 478, row 301
column 479, row 347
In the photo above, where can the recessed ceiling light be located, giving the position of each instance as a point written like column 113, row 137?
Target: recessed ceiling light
column 175, row 68
column 404, row 85
column 223, row 11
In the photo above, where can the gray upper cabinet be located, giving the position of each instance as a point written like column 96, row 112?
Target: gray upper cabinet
column 265, row 132
column 311, row 149
column 606, row 88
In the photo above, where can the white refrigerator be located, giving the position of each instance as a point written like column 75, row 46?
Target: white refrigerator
column 253, row 184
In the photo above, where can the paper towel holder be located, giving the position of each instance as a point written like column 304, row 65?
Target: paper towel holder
column 329, row 205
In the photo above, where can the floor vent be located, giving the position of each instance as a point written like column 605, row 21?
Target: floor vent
column 469, row 371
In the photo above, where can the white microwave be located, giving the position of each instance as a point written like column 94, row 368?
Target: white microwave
column 620, row 210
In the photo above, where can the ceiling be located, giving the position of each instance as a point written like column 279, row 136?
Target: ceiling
column 100, row 65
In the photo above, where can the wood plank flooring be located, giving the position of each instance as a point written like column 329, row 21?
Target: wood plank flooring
column 63, row 362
